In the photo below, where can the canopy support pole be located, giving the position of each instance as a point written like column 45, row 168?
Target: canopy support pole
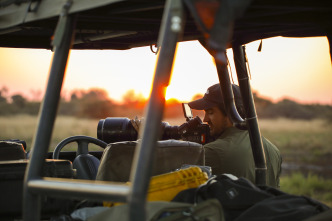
column 47, row 115
column 171, row 28
column 251, row 116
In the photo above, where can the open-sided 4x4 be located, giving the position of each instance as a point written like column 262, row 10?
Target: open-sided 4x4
column 113, row 24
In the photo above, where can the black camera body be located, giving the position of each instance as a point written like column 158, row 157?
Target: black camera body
column 115, row 129
column 194, row 130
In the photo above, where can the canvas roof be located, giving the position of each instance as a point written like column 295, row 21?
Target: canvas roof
column 116, row 24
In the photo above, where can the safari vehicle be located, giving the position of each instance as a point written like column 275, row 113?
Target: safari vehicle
column 114, row 24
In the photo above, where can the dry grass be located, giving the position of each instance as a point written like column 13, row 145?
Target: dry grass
column 288, row 135
column 307, row 141
column 18, row 127
column 282, row 124
column 23, row 127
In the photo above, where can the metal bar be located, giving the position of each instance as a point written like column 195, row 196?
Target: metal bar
column 109, row 35
column 97, row 190
column 140, row 7
column 251, row 116
column 228, row 97
column 329, row 38
column 172, row 25
column 47, row 114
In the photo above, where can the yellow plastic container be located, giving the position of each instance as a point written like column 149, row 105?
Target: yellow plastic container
column 166, row 186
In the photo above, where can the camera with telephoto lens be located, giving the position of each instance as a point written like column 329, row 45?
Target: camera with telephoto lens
column 116, row 129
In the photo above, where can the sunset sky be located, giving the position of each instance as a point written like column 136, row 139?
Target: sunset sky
column 299, row 69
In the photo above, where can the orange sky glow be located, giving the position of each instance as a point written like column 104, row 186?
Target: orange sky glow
column 299, row 69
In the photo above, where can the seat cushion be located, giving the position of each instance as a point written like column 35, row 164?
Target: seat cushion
column 170, row 155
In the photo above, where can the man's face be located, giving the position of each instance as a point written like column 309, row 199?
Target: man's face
column 217, row 121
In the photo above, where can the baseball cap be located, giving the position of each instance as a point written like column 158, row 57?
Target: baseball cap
column 213, row 97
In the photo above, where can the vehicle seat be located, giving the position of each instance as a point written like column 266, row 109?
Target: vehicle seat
column 86, row 166
column 11, row 151
column 116, row 162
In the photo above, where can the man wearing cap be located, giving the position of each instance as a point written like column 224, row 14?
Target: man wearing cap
column 231, row 152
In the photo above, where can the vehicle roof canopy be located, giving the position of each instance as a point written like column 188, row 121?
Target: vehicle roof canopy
column 116, row 24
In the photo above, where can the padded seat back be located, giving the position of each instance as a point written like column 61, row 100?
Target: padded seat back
column 11, row 151
column 116, row 162
column 86, row 166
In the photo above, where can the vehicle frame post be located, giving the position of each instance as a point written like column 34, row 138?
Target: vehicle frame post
column 228, row 97
column 171, row 28
column 47, row 115
column 251, row 116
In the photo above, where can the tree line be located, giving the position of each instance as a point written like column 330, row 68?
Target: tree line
column 95, row 103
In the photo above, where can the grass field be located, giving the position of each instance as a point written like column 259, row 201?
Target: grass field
column 306, row 147
column 24, row 127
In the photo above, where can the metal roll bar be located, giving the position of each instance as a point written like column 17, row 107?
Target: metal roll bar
column 171, row 28
column 250, row 112
column 47, row 115
column 35, row 185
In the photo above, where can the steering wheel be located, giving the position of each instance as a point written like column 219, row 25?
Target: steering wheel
column 85, row 163
column 82, row 144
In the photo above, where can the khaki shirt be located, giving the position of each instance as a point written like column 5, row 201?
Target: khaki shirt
column 231, row 153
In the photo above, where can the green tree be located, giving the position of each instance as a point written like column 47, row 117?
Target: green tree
column 18, row 101
column 3, row 92
column 93, row 103
column 289, row 109
column 2, row 98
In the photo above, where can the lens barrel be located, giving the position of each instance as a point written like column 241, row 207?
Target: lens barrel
column 116, row 129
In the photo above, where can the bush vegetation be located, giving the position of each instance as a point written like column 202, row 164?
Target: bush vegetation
column 95, row 103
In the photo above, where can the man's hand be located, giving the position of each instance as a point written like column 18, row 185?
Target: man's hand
column 137, row 123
